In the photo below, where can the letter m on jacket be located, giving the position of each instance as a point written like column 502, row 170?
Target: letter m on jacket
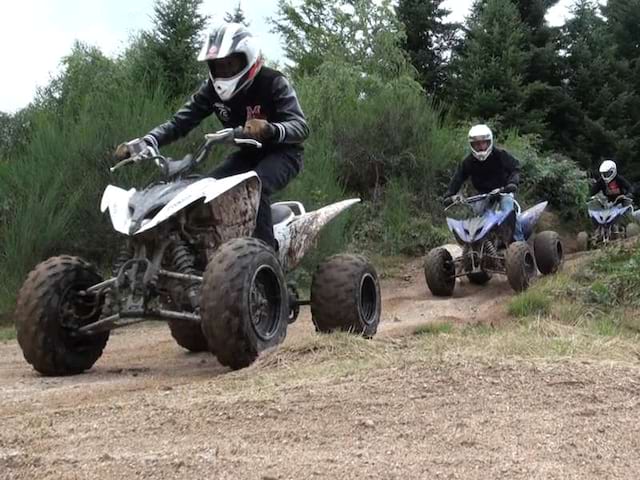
column 255, row 112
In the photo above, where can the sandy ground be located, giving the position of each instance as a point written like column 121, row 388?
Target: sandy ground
column 148, row 409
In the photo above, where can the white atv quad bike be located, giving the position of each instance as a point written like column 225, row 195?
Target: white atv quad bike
column 189, row 260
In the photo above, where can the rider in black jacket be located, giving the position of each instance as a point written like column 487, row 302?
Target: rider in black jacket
column 611, row 183
column 490, row 169
column 242, row 92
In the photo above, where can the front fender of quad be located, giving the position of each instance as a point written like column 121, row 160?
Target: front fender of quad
column 297, row 237
column 116, row 200
column 529, row 218
column 234, row 203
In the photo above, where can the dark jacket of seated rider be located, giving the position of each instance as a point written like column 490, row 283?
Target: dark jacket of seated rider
column 611, row 184
column 487, row 167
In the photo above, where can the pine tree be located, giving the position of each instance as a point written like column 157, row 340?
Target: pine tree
column 491, row 67
column 623, row 112
column 167, row 55
column 363, row 33
column 429, row 40
column 588, row 64
column 237, row 16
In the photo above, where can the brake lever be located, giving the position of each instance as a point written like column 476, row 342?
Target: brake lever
column 148, row 152
column 121, row 164
column 247, row 141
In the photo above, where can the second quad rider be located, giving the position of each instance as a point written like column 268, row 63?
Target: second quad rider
column 242, row 93
column 490, row 169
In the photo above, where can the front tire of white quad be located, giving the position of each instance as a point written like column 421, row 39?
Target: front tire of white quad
column 244, row 304
column 582, row 242
column 549, row 252
column 188, row 335
column 439, row 272
column 345, row 296
column 633, row 230
column 50, row 307
column 520, row 265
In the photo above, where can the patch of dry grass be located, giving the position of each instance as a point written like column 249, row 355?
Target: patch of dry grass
column 326, row 360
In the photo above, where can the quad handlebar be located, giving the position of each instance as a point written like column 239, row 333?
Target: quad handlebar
column 172, row 168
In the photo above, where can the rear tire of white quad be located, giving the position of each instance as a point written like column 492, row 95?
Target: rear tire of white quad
column 244, row 304
column 582, row 242
column 345, row 296
column 633, row 230
column 548, row 251
column 439, row 272
column 45, row 333
column 520, row 265
column 188, row 335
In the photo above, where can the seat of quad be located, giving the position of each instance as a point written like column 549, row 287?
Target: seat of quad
column 281, row 213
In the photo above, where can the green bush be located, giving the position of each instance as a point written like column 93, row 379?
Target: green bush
column 394, row 225
column 554, row 178
column 532, row 302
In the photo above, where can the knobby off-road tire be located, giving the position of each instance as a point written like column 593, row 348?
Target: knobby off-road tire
column 549, row 252
column 345, row 296
column 439, row 272
column 244, row 302
column 520, row 265
column 188, row 335
column 582, row 242
column 44, row 322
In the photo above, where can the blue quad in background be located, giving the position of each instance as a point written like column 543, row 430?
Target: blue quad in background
column 496, row 238
column 611, row 221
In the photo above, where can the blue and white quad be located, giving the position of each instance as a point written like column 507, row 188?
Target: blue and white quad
column 484, row 226
column 611, row 221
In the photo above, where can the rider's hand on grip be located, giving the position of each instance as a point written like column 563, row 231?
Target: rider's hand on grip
column 259, row 130
column 122, row 152
column 447, row 201
column 130, row 149
column 510, row 188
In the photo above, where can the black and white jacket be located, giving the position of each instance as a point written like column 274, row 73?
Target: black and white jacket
column 269, row 97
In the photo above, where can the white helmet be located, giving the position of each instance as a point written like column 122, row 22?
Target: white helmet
column 231, row 41
column 608, row 170
column 481, row 133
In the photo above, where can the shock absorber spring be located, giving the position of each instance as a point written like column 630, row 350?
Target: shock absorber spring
column 490, row 253
column 490, row 249
column 184, row 261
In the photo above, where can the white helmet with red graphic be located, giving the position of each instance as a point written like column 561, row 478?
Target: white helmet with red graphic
column 233, row 57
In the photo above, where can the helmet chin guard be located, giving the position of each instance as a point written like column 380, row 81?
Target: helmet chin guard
column 227, row 41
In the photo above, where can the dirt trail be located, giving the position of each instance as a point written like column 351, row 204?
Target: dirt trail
column 149, row 410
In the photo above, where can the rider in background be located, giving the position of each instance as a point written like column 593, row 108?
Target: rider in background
column 242, row 93
column 611, row 183
column 490, row 169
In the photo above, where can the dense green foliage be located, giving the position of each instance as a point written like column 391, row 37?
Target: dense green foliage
column 389, row 90
column 428, row 41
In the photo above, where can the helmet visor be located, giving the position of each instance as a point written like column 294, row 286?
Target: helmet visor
column 480, row 145
column 227, row 67
column 609, row 174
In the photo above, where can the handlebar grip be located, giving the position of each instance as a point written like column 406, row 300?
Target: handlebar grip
column 238, row 132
